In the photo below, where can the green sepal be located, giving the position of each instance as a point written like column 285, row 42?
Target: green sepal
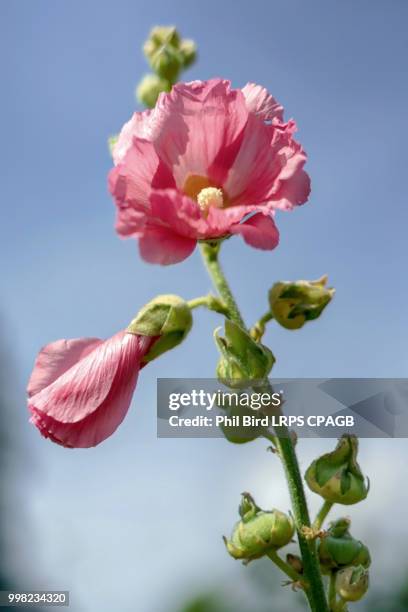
column 337, row 548
column 166, row 317
column 242, row 359
column 293, row 303
column 258, row 531
column 337, row 476
column 352, row 583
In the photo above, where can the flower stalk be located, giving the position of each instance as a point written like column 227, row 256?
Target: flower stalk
column 210, row 302
column 286, row 568
column 322, row 514
column 315, row 592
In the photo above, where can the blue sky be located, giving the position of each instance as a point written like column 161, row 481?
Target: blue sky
column 69, row 70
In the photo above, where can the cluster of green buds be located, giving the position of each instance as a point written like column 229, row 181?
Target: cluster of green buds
column 337, row 476
column 293, row 303
column 168, row 54
column 338, row 479
column 166, row 316
column 242, row 359
column 258, row 531
column 338, row 549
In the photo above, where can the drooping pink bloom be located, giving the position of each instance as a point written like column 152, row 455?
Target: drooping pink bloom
column 80, row 390
column 207, row 162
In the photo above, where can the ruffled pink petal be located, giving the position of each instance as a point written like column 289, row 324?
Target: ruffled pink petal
column 269, row 156
column 162, row 245
column 198, row 129
column 131, row 183
column 258, row 231
column 137, row 126
column 260, row 102
column 256, row 166
column 292, row 192
column 88, row 401
column 220, row 220
column 175, row 210
column 56, row 358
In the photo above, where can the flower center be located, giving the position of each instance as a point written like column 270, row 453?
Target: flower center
column 210, row 196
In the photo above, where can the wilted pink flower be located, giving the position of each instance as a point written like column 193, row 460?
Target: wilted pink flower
column 80, row 390
column 198, row 164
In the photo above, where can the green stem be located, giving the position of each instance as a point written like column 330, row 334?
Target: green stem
column 209, row 301
column 258, row 330
column 210, row 256
column 287, row 453
column 322, row 514
column 285, row 567
column 315, row 593
column 332, row 592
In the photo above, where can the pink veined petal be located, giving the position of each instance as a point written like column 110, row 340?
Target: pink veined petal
column 82, row 388
column 138, row 125
column 255, row 168
column 293, row 192
column 198, row 129
column 220, row 220
column 260, row 102
column 177, row 211
column 94, row 428
column 56, row 358
column 162, row 245
column 132, row 181
column 88, row 402
column 259, row 231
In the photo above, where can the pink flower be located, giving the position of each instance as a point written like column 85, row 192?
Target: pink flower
column 207, row 162
column 80, row 390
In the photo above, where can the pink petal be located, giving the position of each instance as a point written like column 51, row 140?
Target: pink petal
column 269, row 155
column 137, row 126
column 56, row 358
column 198, row 129
column 220, row 220
column 260, row 102
column 256, row 166
column 88, row 401
column 177, row 211
column 132, row 181
column 162, row 245
column 258, row 231
column 293, row 192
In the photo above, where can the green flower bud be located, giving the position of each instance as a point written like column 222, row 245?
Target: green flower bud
column 149, row 89
column 292, row 303
column 159, row 36
column 242, row 359
column 167, row 53
column 237, row 433
column 258, row 531
column 167, row 62
column 337, row 476
column 166, row 316
column 188, row 50
column 352, row 583
column 339, row 549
